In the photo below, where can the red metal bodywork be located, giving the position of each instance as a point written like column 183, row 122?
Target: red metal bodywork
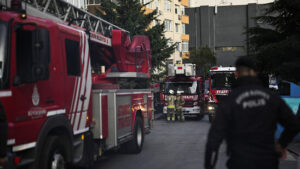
column 69, row 96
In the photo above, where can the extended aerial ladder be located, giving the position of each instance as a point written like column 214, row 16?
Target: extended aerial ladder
column 64, row 12
column 99, row 30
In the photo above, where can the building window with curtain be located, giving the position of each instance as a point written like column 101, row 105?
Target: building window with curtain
column 168, row 25
column 185, row 46
column 183, row 28
column 167, row 5
column 182, row 10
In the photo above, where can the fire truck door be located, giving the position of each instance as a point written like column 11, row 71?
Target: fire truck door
column 78, row 80
column 32, row 83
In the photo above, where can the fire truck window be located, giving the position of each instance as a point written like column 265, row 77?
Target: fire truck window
column 222, row 80
column 182, row 87
column 73, row 57
column 24, row 55
column 3, row 49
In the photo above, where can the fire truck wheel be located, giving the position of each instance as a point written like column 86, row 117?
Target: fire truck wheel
column 135, row 146
column 54, row 153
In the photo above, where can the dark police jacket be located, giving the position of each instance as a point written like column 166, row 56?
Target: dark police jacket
column 3, row 132
column 247, row 119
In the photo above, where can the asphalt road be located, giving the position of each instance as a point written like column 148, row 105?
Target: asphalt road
column 172, row 145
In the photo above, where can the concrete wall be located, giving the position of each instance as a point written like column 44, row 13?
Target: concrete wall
column 223, row 29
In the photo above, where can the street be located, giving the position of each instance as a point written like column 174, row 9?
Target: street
column 172, row 145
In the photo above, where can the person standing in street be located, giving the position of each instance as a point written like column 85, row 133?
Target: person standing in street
column 178, row 105
column 247, row 120
column 170, row 100
column 3, row 137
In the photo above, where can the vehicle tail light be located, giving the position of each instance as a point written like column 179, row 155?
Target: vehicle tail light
column 17, row 160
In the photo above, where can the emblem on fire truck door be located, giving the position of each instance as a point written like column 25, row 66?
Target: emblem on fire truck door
column 35, row 96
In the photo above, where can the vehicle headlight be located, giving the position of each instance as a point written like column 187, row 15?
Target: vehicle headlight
column 210, row 108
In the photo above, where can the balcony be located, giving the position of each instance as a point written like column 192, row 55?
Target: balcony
column 185, row 3
column 185, row 55
column 185, row 37
column 185, row 19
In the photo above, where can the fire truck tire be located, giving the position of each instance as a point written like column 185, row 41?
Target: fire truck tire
column 54, row 153
column 135, row 146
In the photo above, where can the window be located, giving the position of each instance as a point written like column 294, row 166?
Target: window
column 167, row 5
column 169, row 62
column 168, row 25
column 177, row 27
column 183, row 28
column 3, row 47
column 178, row 46
column 230, row 48
column 182, row 10
column 73, row 57
column 156, row 4
column 185, row 46
column 32, row 54
column 176, row 9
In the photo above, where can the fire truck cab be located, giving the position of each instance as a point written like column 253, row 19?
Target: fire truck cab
column 220, row 81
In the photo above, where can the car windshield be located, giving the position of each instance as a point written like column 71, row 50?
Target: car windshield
column 182, row 87
column 222, row 80
column 3, row 46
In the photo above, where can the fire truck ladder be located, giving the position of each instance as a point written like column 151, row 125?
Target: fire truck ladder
column 64, row 12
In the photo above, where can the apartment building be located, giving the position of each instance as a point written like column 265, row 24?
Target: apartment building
column 172, row 14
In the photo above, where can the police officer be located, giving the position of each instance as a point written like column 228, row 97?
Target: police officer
column 178, row 105
column 247, row 119
column 170, row 100
column 3, row 136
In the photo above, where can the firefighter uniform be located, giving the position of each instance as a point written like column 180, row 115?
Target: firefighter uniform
column 3, row 133
column 178, row 105
column 170, row 100
column 247, row 119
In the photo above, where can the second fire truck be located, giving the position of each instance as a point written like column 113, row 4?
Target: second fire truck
column 220, row 81
column 182, row 79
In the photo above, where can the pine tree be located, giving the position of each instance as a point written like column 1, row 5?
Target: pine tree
column 130, row 15
column 277, row 49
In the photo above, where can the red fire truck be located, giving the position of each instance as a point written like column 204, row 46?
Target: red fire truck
column 220, row 81
column 61, row 85
column 182, row 79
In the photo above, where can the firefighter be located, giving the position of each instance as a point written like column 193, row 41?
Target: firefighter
column 3, row 136
column 178, row 105
column 170, row 100
column 247, row 119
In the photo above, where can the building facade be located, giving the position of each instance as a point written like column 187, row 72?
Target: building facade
column 223, row 29
column 197, row 3
column 172, row 14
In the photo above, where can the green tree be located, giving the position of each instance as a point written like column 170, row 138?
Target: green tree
column 276, row 44
column 204, row 59
column 130, row 15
